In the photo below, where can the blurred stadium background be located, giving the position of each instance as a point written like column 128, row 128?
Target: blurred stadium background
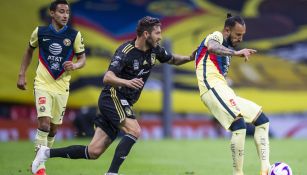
column 276, row 77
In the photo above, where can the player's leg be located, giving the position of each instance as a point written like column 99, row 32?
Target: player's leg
column 100, row 142
column 132, row 132
column 253, row 114
column 237, row 142
column 51, row 135
column 43, row 103
column 58, row 110
column 221, row 101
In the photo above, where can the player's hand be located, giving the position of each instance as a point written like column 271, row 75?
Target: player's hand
column 245, row 53
column 69, row 65
column 21, row 83
column 192, row 56
column 136, row 83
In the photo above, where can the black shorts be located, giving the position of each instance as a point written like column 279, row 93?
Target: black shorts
column 112, row 110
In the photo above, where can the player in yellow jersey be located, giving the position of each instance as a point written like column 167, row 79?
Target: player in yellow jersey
column 212, row 61
column 57, row 43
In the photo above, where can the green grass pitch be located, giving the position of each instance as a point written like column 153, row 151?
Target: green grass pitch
column 159, row 157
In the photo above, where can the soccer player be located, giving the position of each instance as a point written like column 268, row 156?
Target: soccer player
column 128, row 71
column 57, row 45
column 212, row 62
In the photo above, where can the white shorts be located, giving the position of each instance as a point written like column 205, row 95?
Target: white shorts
column 226, row 106
column 50, row 104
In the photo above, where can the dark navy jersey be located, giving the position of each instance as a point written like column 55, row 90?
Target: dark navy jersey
column 129, row 62
column 56, row 47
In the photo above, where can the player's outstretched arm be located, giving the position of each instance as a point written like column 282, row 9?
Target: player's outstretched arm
column 111, row 79
column 27, row 58
column 69, row 65
column 180, row 59
column 217, row 48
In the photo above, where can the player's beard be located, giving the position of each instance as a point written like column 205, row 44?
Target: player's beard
column 230, row 42
column 150, row 42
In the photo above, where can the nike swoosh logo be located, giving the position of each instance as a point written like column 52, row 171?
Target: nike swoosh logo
column 46, row 39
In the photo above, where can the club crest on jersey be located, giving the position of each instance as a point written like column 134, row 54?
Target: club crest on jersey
column 136, row 65
column 55, row 48
column 128, row 111
column 153, row 58
column 42, row 109
column 67, row 42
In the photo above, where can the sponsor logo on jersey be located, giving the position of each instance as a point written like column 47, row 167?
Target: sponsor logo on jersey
column 55, row 48
column 67, row 42
column 136, row 65
column 232, row 102
column 124, row 102
column 41, row 100
column 142, row 72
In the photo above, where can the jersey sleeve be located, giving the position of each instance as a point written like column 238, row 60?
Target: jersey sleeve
column 216, row 36
column 34, row 38
column 162, row 55
column 78, row 44
column 118, row 62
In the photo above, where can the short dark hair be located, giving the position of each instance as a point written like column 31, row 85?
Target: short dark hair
column 232, row 20
column 146, row 24
column 55, row 3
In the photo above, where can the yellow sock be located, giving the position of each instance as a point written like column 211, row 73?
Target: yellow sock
column 40, row 139
column 50, row 141
column 237, row 149
column 261, row 138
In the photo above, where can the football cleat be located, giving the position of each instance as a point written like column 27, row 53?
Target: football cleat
column 41, row 171
column 40, row 158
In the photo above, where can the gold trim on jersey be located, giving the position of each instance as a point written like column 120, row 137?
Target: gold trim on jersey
column 128, row 48
column 118, row 106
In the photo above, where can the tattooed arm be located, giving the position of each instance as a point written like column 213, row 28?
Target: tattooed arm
column 217, row 48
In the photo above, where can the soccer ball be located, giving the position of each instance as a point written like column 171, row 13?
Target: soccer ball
column 280, row 168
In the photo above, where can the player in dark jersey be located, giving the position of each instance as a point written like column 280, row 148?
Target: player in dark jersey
column 128, row 71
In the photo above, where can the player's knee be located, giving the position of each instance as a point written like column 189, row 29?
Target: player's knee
column 44, row 127
column 94, row 152
column 238, row 124
column 135, row 131
column 262, row 119
column 44, row 124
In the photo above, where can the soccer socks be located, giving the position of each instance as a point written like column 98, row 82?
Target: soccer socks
column 261, row 138
column 50, row 141
column 121, row 152
column 71, row 152
column 40, row 139
column 237, row 149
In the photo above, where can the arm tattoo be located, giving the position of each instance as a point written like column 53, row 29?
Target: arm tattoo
column 219, row 49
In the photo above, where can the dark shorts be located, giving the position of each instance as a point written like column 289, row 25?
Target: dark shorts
column 112, row 111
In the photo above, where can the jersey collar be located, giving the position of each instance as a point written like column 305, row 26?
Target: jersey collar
column 63, row 29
